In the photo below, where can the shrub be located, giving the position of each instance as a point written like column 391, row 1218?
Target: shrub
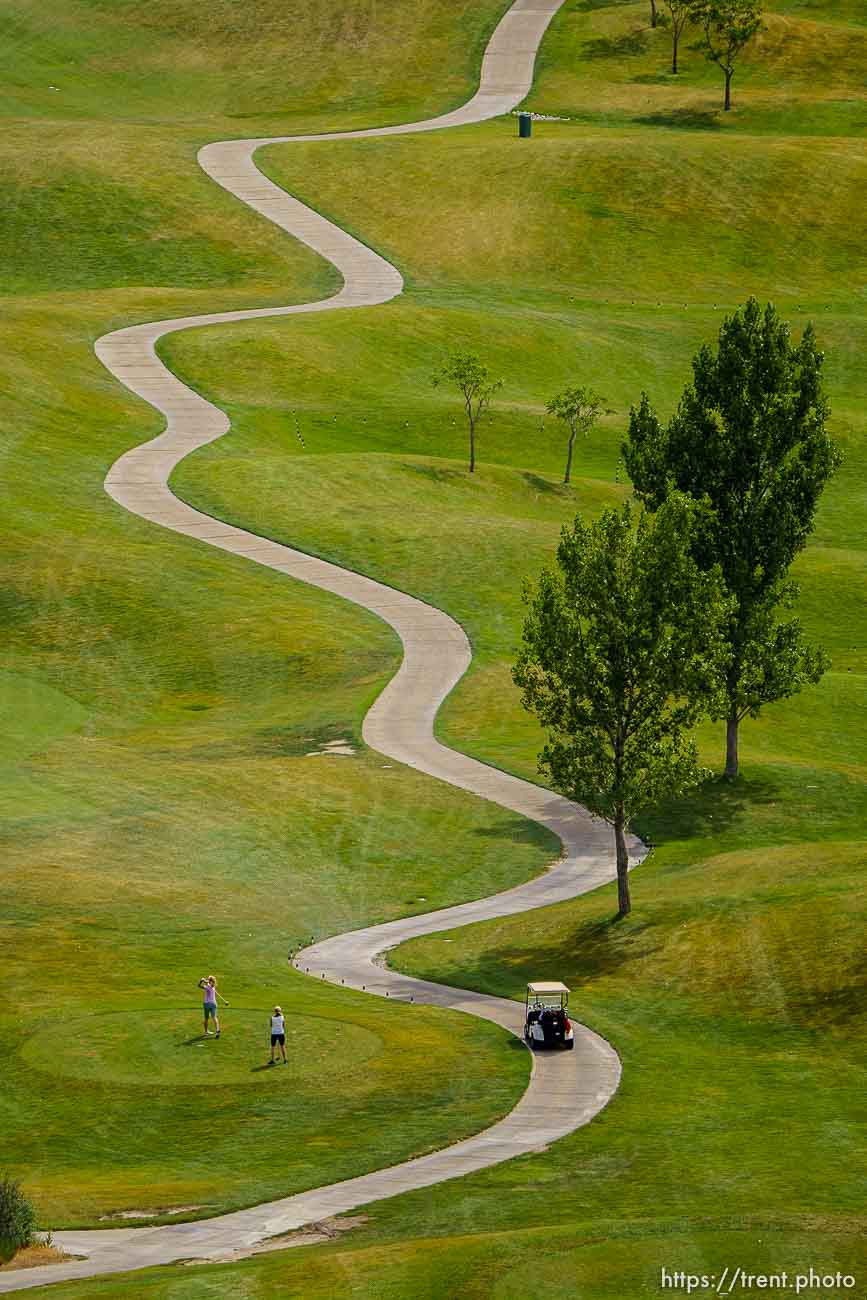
column 17, row 1220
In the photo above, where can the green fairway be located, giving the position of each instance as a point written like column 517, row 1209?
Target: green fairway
column 347, row 62
column 163, row 819
column 803, row 74
column 167, row 807
column 596, row 1259
column 738, row 986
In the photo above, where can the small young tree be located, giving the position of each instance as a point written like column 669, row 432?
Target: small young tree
column 727, row 25
column 464, row 371
column 17, row 1220
column 680, row 12
column 579, row 409
column 622, row 651
column 749, row 438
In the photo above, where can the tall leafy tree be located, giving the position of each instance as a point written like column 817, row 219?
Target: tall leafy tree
column 622, row 650
column 749, row 438
column 728, row 26
column 680, row 12
column 579, row 409
column 467, row 373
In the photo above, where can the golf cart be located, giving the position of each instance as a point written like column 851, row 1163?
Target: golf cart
column 546, row 1023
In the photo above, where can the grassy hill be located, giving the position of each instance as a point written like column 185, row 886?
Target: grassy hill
column 167, row 809
column 802, row 75
column 167, row 64
column 605, row 250
column 602, row 251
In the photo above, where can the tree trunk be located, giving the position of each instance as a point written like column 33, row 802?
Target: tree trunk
column 732, row 724
column 569, row 457
column 728, row 100
column 653, row 13
column 674, row 40
column 624, row 902
column 472, row 447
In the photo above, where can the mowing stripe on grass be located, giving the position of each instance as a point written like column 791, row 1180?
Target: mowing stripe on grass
column 565, row 1091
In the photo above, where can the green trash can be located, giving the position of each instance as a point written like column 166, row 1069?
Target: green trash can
column 525, row 126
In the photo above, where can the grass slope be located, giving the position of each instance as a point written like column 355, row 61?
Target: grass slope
column 594, row 1258
column 295, row 65
column 604, row 250
column 802, row 75
column 165, row 809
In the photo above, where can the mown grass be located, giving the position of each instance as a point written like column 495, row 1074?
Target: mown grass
column 735, row 993
column 700, row 215
column 165, row 811
column 256, row 69
column 802, row 75
column 161, row 817
column 605, row 251
column 595, row 1259
column 418, row 520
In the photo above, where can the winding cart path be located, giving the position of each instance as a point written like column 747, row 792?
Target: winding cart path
column 566, row 1089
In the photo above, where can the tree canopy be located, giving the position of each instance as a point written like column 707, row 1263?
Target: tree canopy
column 622, row 650
column 466, row 372
column 728, row 25
column 749, row 438
column 579, row 409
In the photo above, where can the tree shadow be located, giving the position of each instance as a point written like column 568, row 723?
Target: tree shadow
column 16, row 607
column 684, row 119
column 835, row 1006
column 586, row 953
column 438, row 473
column 588, row 6
column 604, row 947
column 528, row 833
column 547, row 485
column 615, row 47
column 712, row 807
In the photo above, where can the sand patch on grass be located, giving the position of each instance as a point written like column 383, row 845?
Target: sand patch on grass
column 333, row 747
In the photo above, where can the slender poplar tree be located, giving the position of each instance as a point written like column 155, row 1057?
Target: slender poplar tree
column 749, row 438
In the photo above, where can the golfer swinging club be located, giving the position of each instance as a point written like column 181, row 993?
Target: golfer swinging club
column 209, row 1006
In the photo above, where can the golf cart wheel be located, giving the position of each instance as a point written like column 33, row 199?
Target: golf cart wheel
column 569, row 1045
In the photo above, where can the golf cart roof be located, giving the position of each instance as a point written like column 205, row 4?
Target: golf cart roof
column 547, row 986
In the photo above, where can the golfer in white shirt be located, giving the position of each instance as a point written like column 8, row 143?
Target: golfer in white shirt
column 278, row 1034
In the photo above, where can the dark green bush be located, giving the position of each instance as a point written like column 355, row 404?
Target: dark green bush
column 17, row 1220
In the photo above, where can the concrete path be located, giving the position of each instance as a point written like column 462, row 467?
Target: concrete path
column 566, row 1089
